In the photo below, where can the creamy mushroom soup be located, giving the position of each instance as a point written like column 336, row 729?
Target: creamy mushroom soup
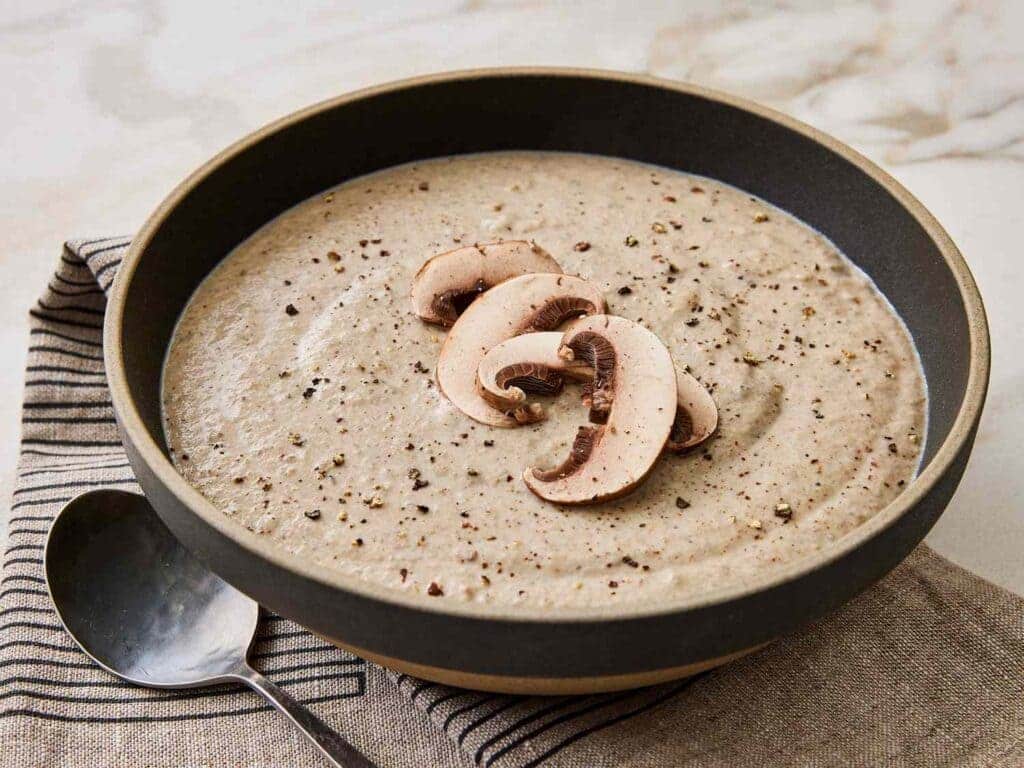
column 300, row 394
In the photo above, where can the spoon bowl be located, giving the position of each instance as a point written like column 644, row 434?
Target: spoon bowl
column 137, row 601
column 145, row 609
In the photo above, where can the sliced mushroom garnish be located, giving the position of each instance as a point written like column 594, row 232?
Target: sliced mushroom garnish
column 525, row 303
column 447, row 283
column 696, row 415
column 531, row 363
column 635, row 378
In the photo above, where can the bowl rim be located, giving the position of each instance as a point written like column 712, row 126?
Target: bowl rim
column 161, row 467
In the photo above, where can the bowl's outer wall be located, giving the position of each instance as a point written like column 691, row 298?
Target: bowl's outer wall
column 553, row 649
column 614, row 117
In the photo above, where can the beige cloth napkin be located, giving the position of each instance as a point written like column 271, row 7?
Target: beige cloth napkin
column 924, row 669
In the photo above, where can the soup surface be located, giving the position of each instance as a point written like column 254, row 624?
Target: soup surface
column 299, row 393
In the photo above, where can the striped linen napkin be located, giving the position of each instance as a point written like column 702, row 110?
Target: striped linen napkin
column 924, row 669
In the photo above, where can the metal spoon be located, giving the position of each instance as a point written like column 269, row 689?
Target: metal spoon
column 146, row 610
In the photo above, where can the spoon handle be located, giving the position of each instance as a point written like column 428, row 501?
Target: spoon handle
column 334, row 747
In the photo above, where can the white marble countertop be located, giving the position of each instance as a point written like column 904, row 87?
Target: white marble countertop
column 109, row 104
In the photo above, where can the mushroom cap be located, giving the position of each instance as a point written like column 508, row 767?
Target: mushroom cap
column 532, row 363
column 696, row 415
column 524, row 304
column 526, row 363
column 447, row 282
column 635, row 374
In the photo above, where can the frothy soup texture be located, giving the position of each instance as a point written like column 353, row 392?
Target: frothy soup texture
column 299, row 393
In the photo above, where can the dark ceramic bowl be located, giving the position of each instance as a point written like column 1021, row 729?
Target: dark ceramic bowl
column 870, row 217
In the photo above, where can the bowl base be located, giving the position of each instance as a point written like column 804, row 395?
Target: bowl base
column 542, row 686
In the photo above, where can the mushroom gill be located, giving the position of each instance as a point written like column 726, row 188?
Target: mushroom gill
column 599, row 355
column 556, row 312
column 582, row 446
